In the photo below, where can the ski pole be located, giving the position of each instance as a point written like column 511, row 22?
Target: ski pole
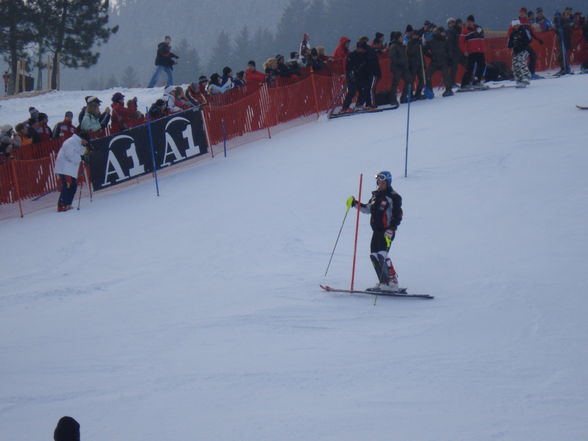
column 407, row 133
column 339, row 235
column 86, row 176
column 80, row 195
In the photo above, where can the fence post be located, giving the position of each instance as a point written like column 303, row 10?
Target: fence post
column 16, row 186
column 264, row 99
column 224, row 136
column 316, row 106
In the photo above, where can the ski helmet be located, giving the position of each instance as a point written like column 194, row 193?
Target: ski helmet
column 385, row 176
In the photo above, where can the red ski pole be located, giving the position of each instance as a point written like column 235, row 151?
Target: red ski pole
column 356, row 231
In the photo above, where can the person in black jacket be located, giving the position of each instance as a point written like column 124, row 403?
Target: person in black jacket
column 385, row 207
column 519, row 41
column 164, row 62
column 398, row 67
column 357, row 75
column 437, row 49
column 414, row 50
column 68, row 429
column 455, row 56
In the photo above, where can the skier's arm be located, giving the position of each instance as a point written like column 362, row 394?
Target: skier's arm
column 364, row 208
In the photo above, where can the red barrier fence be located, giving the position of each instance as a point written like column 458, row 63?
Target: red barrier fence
column 253, row 109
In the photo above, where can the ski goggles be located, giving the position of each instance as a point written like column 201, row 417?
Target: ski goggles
column 380, row 177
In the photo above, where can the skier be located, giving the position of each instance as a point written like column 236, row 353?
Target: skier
column 67, row 165
column 385, row 207
column 519, row 41
column 473, row 46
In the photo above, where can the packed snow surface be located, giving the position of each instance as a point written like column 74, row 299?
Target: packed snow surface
column 198, row 315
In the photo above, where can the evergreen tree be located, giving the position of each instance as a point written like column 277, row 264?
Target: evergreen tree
column 15, row 34
column 221, row 53
column 74, row 27
column 112, row 82
column 264, row 46
column 188, row 69
column 242, row 49
column 129, row 78
column 292, row 27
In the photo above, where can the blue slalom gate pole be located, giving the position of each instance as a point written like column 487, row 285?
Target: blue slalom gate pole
column 407, row 131
column 152, row 151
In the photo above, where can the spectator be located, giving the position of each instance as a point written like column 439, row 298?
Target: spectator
column 67, row 165
column 44, row 133
column 240, row 80
column 282, row 69
column 564, row 27
column 22, row 133
column 93, row 120
column 203, row 86
column 169, row 96
column 428, row 30
column 103, row 118
column 215, row 87
column 194, row 96
column 455, row 56
column 357, row 74
column 378, row 43
column 473, row 46
column 67, row 429
column 526, row 23
column 227, row 77
column 164, row 62
column 368, row 97
column 8, row 141
column 342, row 49
column 322, row 54
column 121, row 115
column 543, row 22
column 437, row 49
column 181, row 100
column 65, row 128
column 398, row 67
column 407, row 34
column 158, row 109
column 34, row 115
column 253, row 76
column 314, row 62
column 519, row 41
column 414, row 52
column 271, row 69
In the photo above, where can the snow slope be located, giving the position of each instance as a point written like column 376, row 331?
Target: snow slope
column 197, row 315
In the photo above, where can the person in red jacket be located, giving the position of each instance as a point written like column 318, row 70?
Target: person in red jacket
column 121, row 115
column 253, row 77
column 473, row 46
column 44, row 133
column 65, row 128
column 342, row 49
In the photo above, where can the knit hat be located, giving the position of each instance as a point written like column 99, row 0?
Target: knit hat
column 67, row 429
column 471, row 18
column 69, row 114
column 409, row 28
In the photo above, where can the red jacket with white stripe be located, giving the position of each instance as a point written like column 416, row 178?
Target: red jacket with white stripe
column 471, row 40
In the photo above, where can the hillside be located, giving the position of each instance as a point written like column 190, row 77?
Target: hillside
column 197, row 315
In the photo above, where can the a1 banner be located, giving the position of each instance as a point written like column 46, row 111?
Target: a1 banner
column 125, row 156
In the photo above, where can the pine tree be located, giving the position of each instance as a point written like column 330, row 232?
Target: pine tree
column 74, row 27
column 129, row 78
column 15, row 34
column 242, row 49
column 221, row 53
column 264, row 46
column 188, row 69
column 112, row 82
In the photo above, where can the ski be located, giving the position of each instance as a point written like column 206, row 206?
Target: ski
column 377, row 293
column 582, row 107
column 475, row 89
column 361, row 112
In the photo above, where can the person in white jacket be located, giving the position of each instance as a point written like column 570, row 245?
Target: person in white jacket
column 67, row 165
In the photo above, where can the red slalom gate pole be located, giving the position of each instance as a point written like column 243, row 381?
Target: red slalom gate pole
column 356, row 231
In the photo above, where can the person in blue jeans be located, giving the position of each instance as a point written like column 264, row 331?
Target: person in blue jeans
column 164, row 62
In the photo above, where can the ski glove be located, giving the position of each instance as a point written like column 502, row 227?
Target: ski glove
column 350, row 202
column 389, row 233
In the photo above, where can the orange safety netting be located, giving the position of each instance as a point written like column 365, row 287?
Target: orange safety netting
column 255, row 108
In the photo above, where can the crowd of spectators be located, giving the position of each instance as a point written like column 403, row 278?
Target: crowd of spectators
column 415, row 55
